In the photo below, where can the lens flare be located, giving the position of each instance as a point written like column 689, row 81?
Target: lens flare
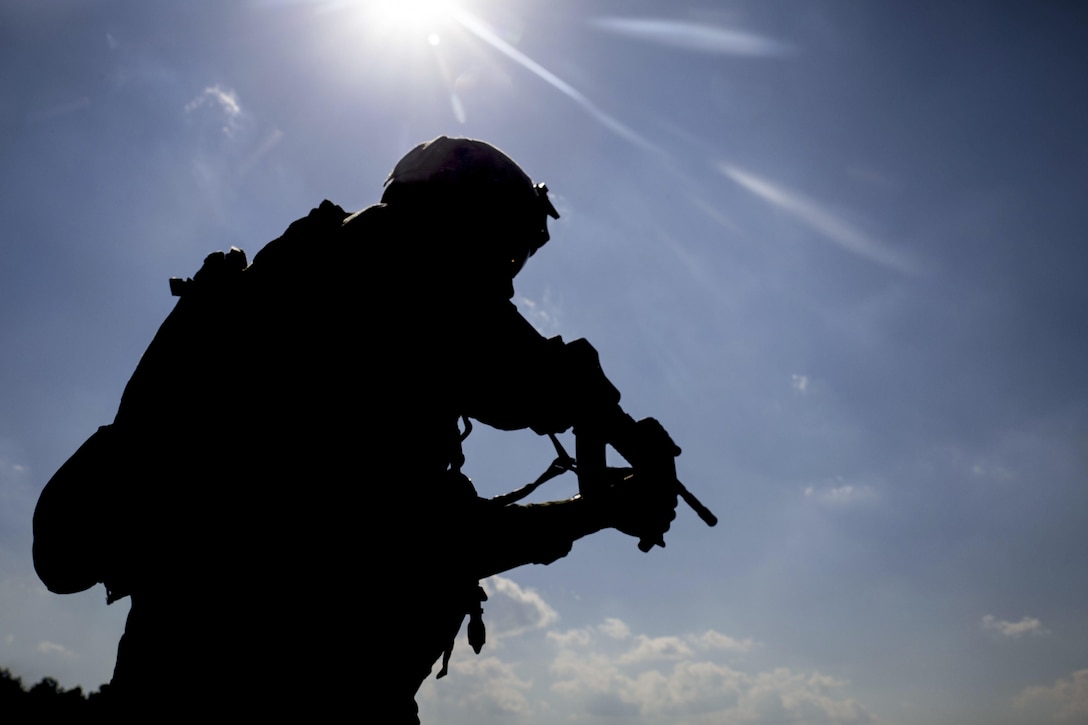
column 423, row 18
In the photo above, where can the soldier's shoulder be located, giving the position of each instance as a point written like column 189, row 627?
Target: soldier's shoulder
column 376, row 220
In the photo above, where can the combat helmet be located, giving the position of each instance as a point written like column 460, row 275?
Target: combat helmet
column 495, row 214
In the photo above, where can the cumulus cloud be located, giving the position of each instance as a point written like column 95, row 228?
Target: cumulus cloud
column 572, row 638
column 1027, row 625
column 674, row 677
column 711, row 640
column 487, row 690
column 1065, row 701
column 649, row 649
column 799, row 383
column 786, row 696
column 607, row 671
column 513, row 610
column 615, row 628
column 705, row 692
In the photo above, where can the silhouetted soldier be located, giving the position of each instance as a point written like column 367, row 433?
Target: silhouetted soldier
column 281, row 491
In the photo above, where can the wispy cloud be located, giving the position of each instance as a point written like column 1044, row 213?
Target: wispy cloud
column 215, row 96
column 1027, row 625
column 820, row 220
column 696, row 37
column 218, row 110
column 992, row 472
column 840, row 493
column 52, row 648
column 543, row 315
column 484, row 32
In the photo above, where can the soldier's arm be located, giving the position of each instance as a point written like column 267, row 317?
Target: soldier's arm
column 543, row 533
column 511, row 377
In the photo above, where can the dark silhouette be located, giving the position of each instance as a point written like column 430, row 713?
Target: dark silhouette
column 281, row 490
column 48, row 700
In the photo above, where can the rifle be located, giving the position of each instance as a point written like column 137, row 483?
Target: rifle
column 647, row 446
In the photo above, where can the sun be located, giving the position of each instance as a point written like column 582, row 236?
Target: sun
column 416, row 19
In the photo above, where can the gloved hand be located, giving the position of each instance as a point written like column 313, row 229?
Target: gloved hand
column 639, row 505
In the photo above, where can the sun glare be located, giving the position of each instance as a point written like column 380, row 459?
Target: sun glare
column 421, row 18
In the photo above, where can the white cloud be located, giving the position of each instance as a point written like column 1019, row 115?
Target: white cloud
column 645, row 647
column 218, row 116
column 214, row 96
column 572, row 638
column 512, row 610
column 785, row 696
column 716, row 640
column 697, row 37
column 840, row 493
column 1013, row 629
column 480, row 689
column 11, row 472
column 649, row 649
column 580, row 672
column 689, row 688
column 994, row 473
column 700, row 691
column 503, row 689
column 799, row 383
column 820, row 220
column 1065, row 701
column 544, row 316
column 52, row 648
column 485, row 33
column 606, row 671
column 615, row 628
column 692, row 687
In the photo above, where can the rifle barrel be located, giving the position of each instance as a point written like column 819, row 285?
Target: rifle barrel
column 697, row 506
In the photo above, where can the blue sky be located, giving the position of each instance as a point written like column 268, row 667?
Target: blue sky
column 836, row 247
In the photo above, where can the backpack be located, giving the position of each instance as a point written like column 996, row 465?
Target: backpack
column 85, row 516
